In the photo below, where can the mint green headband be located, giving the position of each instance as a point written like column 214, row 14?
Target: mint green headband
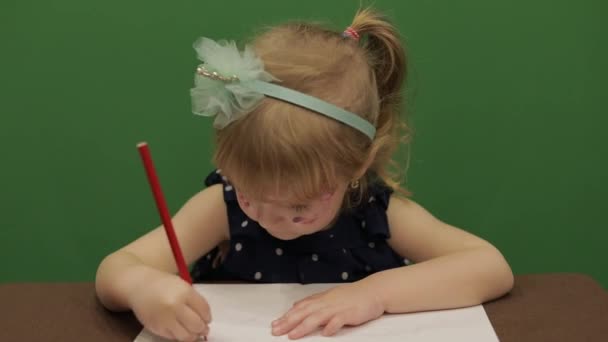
column 231, row 83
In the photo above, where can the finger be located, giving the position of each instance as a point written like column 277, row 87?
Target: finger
column 334, row 325
column 191, row 320
column 180, row 333
column 304, row 301
column 292, row 318
column 300, row 305
column 199, row 305
column 310, row 324
column 164, row 333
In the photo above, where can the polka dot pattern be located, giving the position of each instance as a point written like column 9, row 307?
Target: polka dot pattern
column 348, row 251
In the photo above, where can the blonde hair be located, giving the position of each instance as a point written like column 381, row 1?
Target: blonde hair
column 281, row 147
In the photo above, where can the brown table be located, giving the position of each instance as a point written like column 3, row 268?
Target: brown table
column 547, row 307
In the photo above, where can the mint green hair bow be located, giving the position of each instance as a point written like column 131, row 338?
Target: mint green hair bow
column 231, row 83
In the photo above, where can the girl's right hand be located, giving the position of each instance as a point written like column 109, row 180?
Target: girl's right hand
column 171, row 308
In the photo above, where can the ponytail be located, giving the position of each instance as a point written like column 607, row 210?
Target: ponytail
column 387, row 58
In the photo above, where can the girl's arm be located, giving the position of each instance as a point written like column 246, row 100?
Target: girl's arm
column 200, row 225
column 452, row 267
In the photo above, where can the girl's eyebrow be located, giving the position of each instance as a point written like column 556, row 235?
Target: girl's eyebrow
column 269, row 201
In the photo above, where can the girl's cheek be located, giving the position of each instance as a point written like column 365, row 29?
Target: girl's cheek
column 243, row 201
column 327, row 196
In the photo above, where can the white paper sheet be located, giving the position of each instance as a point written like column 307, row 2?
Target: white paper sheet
column 243, row 312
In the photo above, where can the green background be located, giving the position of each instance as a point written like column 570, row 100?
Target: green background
column 507, row 100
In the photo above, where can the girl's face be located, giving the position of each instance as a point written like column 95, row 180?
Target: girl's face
column 287, row 219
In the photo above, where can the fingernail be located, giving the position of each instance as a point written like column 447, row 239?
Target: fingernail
column 203, row 335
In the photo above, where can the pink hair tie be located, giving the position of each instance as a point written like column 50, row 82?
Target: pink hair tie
column 350, row 33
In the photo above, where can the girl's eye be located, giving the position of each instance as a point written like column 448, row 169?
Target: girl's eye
column 299, row 208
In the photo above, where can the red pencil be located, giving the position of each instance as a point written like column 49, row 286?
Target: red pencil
column 161, row 204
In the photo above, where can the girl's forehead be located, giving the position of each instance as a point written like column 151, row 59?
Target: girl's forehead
column 273, row 197
column 282, row 197
column 281, row 192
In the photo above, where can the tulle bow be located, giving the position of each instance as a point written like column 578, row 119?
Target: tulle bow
column 225, row 96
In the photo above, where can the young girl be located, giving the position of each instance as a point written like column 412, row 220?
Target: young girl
column 306, row 121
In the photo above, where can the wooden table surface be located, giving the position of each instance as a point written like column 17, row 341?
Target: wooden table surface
column 541, row 307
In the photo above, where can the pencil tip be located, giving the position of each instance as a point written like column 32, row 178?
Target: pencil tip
column 141, row 144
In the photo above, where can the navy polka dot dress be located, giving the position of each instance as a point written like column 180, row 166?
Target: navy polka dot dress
column 350, row 250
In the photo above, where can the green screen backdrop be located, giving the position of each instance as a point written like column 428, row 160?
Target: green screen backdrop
column 507, row 99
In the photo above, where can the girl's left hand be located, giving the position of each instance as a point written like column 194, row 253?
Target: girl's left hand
column 348, row 304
